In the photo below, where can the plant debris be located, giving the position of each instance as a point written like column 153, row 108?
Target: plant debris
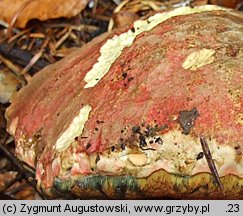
column 186, row 119
column 19, row 12
column 210, row 161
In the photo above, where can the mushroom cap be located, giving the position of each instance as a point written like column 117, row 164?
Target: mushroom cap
column 122, row 117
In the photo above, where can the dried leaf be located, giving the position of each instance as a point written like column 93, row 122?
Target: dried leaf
column 198, row 2
column 8, row 85
column 226, row 3
column 123, row 18
column 19, row 12
column 27, row 193
column 64, row 51
column 6, row 177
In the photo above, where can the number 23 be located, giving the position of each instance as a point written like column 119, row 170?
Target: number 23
column 233, row 208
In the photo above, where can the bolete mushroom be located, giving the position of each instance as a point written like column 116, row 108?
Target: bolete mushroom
column 149, row 110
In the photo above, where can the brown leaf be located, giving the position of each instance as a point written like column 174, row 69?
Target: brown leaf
column 226, row 3
column 8, row 85
column 27, row 193
column 6, row 177
column 20, row 12
column 2, row 127
column 198, row 2
column 123, row 18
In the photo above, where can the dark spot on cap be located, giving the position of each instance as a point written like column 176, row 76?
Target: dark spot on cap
column 88, row 146
column 136, row 129
column 130, row 79
column 123, row 146
column 200, row 155
column 133, row 29
column 186, row 119
column 142, row 141
column 163, row 127
column 159, row 140
column 124, row 75
column 97, row 159
column 238, row 150
column 120, row 191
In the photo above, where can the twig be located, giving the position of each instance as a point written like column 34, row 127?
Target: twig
column 152, row 5
column 15, row 161
column 117, row 2
column 21, row 57
column 22, row 185
column 14, row 68
column 63, row 38
column 5, row 197
column 19, row 34
column 25, row 172
column 238, row 7
column 6, row 25
column 210, row 161
column 116, row 10
column 37, row 56
column 95, row 6
column 11, row 182
column 15, row 17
